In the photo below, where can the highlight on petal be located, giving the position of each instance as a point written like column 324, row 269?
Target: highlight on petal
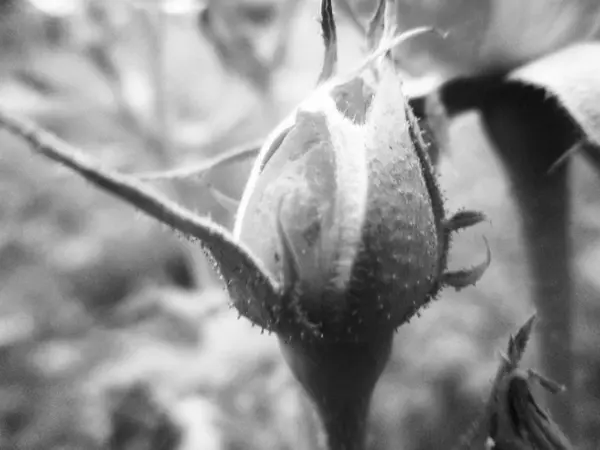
column 571, row 78
column 253, row 290
column 270, row 146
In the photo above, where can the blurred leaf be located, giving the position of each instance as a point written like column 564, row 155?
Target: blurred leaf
column 570, row 76
column 519, row 32
column 138, row 422
column 492, row 35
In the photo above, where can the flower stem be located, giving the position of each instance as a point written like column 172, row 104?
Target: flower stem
column 340, row 379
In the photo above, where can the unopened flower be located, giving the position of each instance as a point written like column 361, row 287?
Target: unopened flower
column 343, row 207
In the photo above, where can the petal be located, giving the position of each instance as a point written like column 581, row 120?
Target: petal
column 300, row 170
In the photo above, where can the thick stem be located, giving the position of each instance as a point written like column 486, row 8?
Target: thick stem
column 530, row 133
column 546, row 216
column 340, row 379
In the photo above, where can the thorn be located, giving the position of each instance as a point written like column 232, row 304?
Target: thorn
column 329, row 31
column 464, row 219
column 548, row 384
column 468, row 277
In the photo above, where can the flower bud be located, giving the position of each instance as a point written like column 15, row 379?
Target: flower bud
column 346, row 213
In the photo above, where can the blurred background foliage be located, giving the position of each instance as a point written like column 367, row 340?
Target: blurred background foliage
column 116, row 334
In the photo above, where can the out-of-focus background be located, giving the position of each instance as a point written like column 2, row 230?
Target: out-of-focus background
column 115, row 333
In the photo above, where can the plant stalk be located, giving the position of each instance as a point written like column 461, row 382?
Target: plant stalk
column 340, row 379
column 530, row 133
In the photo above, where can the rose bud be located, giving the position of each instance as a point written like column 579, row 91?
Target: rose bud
column 343, row 207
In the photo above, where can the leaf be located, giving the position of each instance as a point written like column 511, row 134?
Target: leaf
column 253, row 290
column 487, row 424
column 518, row 343
column 570, row 76
column 328, row 29
column 519, row 422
